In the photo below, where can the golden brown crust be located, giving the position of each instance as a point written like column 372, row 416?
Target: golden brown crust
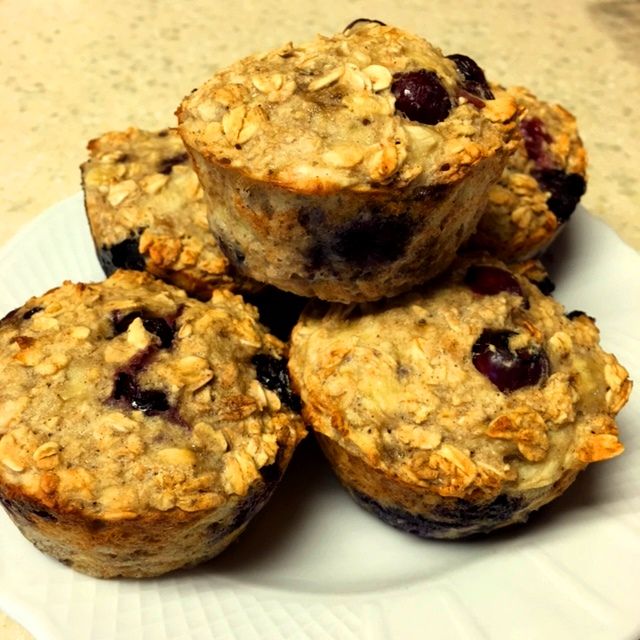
column 303, row 155
column 151, row 544
column 130, row 409
column 330, row 125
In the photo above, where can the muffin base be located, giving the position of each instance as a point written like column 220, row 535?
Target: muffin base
column 144, row 547
column 419, row 511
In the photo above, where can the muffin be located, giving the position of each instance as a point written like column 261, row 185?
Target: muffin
column 460, row 408
column 146, row 211
column 350, row 168
column 541, row 185
column 140, row 429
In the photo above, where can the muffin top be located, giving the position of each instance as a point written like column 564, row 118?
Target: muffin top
column 146, row 210
column 127, row 397
column 371, row 106
column 541, row 185
column 476, row 386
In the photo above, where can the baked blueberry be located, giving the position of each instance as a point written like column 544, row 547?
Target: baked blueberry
column 166, row 164
column 361, row 21
column 421, row 96
column 489, row 280
column 162, row 328
column 565, row 190
column 149, row 401
column 122, row 255
column 31, row 312
column 475, row 81
column 536, row 140
column 273, row 374
column 508, row 369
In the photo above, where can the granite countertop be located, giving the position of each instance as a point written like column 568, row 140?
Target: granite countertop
column 73, row 70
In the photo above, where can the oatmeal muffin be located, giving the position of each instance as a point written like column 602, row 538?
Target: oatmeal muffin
column 541, row 185
column 140, row 429
column 350, row 168
column 146, row 211
column 460, row 408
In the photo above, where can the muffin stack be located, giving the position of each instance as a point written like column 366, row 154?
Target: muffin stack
column 142, row 427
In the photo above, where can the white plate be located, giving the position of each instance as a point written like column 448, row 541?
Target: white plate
column 314, row 565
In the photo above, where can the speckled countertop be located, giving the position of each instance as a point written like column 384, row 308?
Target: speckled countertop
column 72, row 70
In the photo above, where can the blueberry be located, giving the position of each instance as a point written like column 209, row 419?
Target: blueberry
column 160, row 327
column 149, row 401
column 506, row 369
column 421, row 96
column 370, row 240
column 166, row 165
column 572, row 315
column 535, row 139
column 31, row 312
column 273, row 374
column 489, row 281
column 455, row 515
column 546, row 285
column 125, row 387
column 123, row 255
column 365, row 242
column 358, row 21
column 475, row 81
column 565, row 190
column 279, row 310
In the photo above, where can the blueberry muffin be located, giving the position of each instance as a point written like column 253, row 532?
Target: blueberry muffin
column 541, row 185
column 140, row 429
column 146, row 211
column 461, row 408
column 349, row 168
